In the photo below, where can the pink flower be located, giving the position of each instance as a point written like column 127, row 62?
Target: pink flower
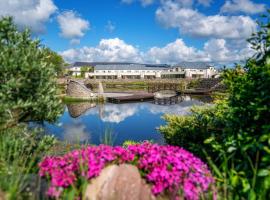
column 167, row 168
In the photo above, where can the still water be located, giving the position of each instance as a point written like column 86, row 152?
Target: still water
column 116, row 123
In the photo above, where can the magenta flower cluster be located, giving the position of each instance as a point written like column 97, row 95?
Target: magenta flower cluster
column 168, row 168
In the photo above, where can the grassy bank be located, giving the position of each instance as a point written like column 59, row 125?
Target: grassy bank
column 67, row 99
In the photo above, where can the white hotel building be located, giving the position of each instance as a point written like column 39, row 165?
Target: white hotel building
column 117, row 70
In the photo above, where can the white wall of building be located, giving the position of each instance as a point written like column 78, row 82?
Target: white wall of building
column 157, row 73
column 121, row 73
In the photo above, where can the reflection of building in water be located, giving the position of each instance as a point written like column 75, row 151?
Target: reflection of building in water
column 77, row 109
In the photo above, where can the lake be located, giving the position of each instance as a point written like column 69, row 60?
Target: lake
column 116, row 123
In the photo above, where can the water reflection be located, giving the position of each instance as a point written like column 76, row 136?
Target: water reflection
column 132, row 121
column 77, row 109
column 76, row 132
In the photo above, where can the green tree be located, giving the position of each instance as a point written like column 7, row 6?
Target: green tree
column 85, row 69
column 27, row 84
column 56, row 60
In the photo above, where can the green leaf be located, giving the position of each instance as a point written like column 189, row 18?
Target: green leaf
column 263, row 172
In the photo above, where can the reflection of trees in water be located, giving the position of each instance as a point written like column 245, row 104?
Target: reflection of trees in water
column 77, row 109
column 203, row 98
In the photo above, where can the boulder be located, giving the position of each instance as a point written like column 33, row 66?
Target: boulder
column 119, row 183
column 77, row 89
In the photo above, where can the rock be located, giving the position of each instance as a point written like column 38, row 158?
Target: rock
column 119, row 183
column 78, row 90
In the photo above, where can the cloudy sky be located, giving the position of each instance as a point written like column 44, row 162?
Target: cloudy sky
column 149, row 31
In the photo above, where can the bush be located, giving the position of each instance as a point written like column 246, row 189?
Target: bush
column 190, row 131
column 27, row 87
column 235, row 134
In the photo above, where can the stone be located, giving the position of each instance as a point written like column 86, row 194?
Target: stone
column 119, row 183
column 79, row 90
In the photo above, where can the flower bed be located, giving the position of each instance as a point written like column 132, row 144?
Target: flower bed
column 167, row 168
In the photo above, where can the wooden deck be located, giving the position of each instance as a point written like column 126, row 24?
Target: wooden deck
column 132, row 98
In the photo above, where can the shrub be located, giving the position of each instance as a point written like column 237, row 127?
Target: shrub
column 237, row 132
column 190, row 131
column 27, row 86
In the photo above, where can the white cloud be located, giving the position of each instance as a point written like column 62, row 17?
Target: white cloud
column 110, row 50
column 218, row 50
column 245, row 6
column 189, row 21
column 144, row 3
column 29, row 13
column 116, row 50
column 72, row 26
column 147, row 2
column 110, row 27
column 174, row 52
column 75, row 41
column 205, row 2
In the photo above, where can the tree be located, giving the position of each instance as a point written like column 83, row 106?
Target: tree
column 27, row 84
column 56, row 60
column 85, row 69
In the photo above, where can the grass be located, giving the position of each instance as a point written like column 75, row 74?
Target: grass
column 67, row 99
column 20, row 151
column 108, row 137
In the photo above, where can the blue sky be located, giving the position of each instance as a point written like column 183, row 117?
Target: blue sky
column 152, row 31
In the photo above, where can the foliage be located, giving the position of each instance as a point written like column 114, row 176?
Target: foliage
column 55, row 60
column 190, row 131
column 237, row 133
column 20, row 151
column 85, row 69
column 168, row 168
column 27, row 85
column 193, row 83
column 108, row 137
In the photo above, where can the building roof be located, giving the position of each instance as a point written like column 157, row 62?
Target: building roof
column 121, row 66
column 193, row 65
